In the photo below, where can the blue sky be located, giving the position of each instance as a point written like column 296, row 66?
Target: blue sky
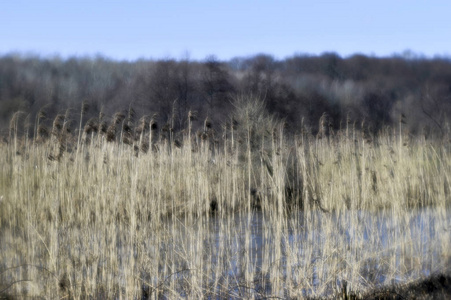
column 198, row 28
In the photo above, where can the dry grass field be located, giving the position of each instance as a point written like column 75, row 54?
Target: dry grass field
column 127, row 209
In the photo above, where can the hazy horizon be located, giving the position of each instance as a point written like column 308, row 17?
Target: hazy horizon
column 406, row 54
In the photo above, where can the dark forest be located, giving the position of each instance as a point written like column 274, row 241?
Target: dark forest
column 374, row 93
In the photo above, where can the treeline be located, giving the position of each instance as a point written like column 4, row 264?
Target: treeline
column 365, row 91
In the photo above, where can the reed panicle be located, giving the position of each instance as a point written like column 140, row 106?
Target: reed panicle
column 91, row 126
column 14, row 124
column 42, row 115
column 118, row 118
column 42, row 133
column 103, row 127
column 111, row 132
column 144, row 125
column 192, row 115
column 58, row 124
column 153, row 124
column 101, row 116
column 131, row 115
column 84, row 107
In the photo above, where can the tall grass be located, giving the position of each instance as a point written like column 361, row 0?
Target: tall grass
column 240, row 212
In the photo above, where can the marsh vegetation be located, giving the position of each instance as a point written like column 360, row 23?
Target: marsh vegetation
column 121, row 206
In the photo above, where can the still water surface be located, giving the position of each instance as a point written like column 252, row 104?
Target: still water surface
column 311, row 252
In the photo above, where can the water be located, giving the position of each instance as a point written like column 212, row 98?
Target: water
column 311, row 252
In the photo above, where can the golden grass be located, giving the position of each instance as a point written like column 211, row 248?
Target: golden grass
column 108, row 220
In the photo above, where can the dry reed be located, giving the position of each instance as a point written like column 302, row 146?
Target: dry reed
column 267, row 217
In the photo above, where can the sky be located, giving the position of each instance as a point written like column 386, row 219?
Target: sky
column 195, row 29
